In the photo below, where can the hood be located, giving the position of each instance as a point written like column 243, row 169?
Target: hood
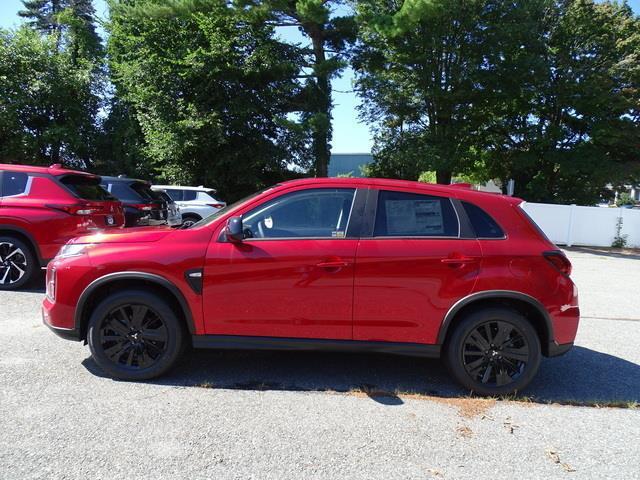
column 128, row 235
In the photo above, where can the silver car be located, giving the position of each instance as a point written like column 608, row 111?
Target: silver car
column 174, row 217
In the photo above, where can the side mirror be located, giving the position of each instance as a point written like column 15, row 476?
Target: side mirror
column 233, row 230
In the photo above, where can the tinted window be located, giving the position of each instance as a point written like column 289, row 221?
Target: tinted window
column 144, row 190
column 403, row 214
column 482, row 223
column 320, row 213
column 86, row 188
column 162, row 196
column 14, row 183
column 176, row 195
column 122, row 192
column 188, row 195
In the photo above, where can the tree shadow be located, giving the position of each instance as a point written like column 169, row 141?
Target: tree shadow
column 582, row 376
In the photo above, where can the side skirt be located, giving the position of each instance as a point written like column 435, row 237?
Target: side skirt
column 275, row 343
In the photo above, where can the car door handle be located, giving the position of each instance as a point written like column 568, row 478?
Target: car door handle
column 459, row 260
column 332, row 264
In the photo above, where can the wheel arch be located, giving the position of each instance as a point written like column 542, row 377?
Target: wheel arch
column 105, row 285
column 25, row 236
column 525, row 304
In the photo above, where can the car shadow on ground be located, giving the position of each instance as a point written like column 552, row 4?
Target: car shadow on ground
column 582, row 376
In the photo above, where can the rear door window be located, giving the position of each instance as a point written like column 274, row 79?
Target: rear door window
column 189, row 195
column 14, row 183
column 86, row 188
column 403, row 214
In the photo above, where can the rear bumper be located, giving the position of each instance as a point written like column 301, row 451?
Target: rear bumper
column 555, row 350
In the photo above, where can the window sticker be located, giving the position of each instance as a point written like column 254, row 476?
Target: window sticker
column 422, row 217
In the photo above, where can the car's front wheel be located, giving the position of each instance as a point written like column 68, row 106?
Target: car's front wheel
column 493, row 351
column 135, row 335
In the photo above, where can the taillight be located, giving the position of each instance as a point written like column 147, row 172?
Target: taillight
column 560, row 261
column 78, row 209
column 216, row 205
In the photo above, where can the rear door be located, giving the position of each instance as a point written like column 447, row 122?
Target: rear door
column 415, row 263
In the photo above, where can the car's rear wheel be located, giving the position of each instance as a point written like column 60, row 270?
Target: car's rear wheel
column 493, row 351
column 17, row 263
column 135, row 335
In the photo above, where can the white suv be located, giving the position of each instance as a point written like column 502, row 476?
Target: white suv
column 195, row 203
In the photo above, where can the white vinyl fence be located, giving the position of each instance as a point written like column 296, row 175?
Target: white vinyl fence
column 588, row 226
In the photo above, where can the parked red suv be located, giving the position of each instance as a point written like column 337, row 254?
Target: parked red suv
column 337, row 264
column 40, row 210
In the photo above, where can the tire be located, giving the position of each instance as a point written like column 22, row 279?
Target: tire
column 17, row 263
column 493, row 351
column 189, row 219
column 117, row 340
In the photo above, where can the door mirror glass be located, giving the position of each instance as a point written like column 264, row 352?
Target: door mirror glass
column 233, row 230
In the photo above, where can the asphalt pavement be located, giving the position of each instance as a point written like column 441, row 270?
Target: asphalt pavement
column 300, row 415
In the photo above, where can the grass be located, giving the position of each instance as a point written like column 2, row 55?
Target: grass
column 469, row 405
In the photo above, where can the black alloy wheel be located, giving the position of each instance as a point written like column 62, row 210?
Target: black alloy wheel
column 493, row 351
column 135, row 335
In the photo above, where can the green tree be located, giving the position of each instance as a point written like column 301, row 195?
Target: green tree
column 420, row 67
column 47, row 101
column 324, row 58
column 574, row 125
column 211, row 91
column 545, row 92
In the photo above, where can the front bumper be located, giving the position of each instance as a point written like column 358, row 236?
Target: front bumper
column 66, row 333
column 555, row 350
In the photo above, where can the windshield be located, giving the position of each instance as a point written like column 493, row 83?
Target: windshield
column 228, row 208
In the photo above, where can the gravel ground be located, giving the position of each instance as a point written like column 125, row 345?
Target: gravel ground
column 311, row 415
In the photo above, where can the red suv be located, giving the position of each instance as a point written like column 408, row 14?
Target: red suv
column 43, row 208
column 337, row 264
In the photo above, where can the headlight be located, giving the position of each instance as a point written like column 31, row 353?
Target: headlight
column 73, row 250
column 51, row 284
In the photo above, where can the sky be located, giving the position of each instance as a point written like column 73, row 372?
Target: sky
column 349, row 134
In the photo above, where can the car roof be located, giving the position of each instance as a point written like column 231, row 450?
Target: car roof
column 179, row 187
column 459, row 190
column 122, row 179
column 56, row 170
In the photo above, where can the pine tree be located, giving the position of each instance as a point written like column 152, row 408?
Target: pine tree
column 42, row 14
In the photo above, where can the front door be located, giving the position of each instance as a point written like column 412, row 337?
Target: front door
column 292, row 276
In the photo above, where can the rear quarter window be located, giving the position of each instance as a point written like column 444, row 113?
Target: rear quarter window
column 483, row 224
column 86, row 188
